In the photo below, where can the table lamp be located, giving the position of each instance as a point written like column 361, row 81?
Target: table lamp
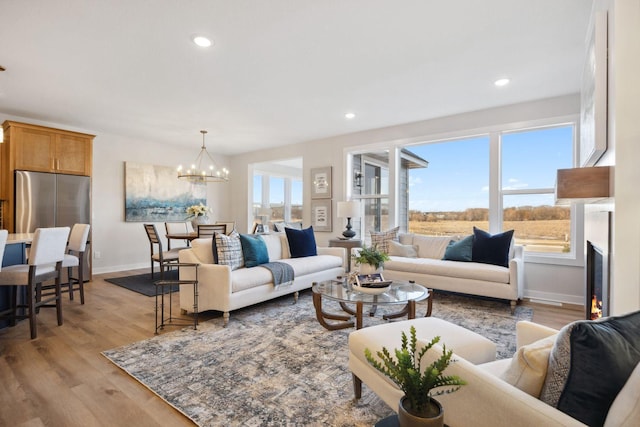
column 349, row 210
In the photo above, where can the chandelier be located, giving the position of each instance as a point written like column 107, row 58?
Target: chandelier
column 204, row 169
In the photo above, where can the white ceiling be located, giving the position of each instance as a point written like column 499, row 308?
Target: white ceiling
column 281, row 71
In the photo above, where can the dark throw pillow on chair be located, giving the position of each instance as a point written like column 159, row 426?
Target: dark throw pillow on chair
column 302, row 243
column 589, row 364
column 491, row 249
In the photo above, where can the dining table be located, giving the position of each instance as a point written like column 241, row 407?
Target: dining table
column 182, row 236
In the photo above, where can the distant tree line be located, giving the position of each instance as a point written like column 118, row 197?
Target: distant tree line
column 522, row 213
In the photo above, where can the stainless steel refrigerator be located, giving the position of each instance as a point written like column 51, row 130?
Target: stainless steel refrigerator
column 52, row 200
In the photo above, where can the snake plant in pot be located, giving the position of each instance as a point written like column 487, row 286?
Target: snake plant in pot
column 417, row 407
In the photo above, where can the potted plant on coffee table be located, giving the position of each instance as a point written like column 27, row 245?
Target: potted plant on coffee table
column 371, row 257
column 417, row 407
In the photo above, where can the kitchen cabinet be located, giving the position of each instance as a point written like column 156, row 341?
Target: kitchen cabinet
column 43, row 149
column 39, row 149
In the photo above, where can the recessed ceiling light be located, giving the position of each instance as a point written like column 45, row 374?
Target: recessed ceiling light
column 501, row 82
column 202, row 41
column 349, row 115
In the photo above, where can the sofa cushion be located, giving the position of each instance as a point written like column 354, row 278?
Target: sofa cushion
column 431, row 246
column 528, row 367
column 457, row 269
column 203, row 249
column 247, row 278
column 281, row 225
column 405, row 238
column 254, row 250
column 460, row 250
column 277, row 245
column 491, row 249
column 302, row 243
column 590, row 363
column 227, row 250
column 380, row 239
column 625, row 410
column 398, row 249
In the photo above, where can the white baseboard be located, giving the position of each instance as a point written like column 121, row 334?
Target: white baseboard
column 554, row 298
column 114, row 268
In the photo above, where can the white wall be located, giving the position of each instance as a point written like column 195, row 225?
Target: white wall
column 623, row 100
column 543, row 281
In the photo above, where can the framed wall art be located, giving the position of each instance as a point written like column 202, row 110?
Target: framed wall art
column 593, row 102
column 154, row 193
column 321, row 183
column 321, row 215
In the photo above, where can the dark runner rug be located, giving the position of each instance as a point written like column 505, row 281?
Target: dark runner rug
column 274, row 365
column 143, row 284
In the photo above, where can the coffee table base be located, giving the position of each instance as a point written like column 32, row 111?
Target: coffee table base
column 345, row 321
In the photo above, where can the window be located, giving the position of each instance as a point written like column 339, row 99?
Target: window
column 530, row 160
column 277, row 191
column 371, row 187
column 451, row 195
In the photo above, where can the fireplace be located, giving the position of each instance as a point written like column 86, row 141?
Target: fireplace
column 597, row 295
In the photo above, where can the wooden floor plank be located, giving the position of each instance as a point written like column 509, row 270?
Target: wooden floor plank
column 61, row 378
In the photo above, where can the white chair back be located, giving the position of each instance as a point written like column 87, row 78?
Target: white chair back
column 3, row 244
column 78, row 237
column 48, row 245
column 178, row 227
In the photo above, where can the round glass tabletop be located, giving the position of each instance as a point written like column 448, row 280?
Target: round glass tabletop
column 399, row 292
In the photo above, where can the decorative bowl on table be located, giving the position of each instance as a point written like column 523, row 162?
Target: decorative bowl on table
column 370, row 289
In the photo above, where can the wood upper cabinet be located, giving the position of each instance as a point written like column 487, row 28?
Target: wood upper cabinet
column 43, row 149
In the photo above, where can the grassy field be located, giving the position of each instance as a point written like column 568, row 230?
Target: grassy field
column 537, row 236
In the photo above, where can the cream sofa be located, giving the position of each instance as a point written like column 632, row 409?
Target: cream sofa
column 430, row 270
column 223, row 289
column 486, row 400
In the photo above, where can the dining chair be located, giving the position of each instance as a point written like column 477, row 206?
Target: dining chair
column 75, row 258
column 208, row 230
column 164, row 258
column 231, row 225
column 181, row 227
column 45, row 263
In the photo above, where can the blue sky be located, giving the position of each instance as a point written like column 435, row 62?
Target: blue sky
column 458, row 174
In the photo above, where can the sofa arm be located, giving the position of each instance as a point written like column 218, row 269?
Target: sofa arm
column 486, row 400
column 214, row 284
column 339, row 252
column 516, row 271
column 529, row 332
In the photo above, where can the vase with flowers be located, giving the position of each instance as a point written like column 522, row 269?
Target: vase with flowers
column 198, row 214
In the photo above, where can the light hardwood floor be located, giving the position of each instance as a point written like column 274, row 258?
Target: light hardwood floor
column 61, row 379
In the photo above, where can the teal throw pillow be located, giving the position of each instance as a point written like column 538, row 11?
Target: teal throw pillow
column 460, row 250
column 302, row 243
column 254, row 250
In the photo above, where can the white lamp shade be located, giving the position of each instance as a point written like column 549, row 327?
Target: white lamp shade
column 264, row 211
column 349, row 209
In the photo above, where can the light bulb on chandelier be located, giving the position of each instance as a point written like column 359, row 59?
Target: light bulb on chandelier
column 200, row 173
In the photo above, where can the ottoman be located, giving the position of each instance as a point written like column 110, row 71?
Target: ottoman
column 464, row 343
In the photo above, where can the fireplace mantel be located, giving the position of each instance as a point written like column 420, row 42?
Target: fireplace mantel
column 587, row 185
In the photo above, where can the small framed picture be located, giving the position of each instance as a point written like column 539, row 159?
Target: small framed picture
column 321, row 183
column 321, row 215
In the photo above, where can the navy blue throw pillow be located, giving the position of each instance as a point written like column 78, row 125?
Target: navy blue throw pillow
column 603, row 353
column 491, row 249
column 460, row 250
column 254, row 250
column 302, row 243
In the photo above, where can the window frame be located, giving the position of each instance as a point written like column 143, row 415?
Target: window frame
column 573, row 258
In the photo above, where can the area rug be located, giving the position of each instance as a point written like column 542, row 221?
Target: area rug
column 274, row 365
column 143, row 283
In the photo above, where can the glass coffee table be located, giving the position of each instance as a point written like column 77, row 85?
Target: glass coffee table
column 401, row 293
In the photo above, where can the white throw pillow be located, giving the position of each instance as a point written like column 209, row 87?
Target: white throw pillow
column 625, row 410
column 398, row 249
column 528, row 368
column 431, row 246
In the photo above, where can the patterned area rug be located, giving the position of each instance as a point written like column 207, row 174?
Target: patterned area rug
column 274, row 365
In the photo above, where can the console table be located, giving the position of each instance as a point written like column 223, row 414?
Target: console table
column 348, row 244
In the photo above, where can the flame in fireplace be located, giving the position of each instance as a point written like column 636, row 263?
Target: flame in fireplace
column 596, row 308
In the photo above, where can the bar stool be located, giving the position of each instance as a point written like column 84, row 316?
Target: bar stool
column 78, row 245
column 45, row 263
